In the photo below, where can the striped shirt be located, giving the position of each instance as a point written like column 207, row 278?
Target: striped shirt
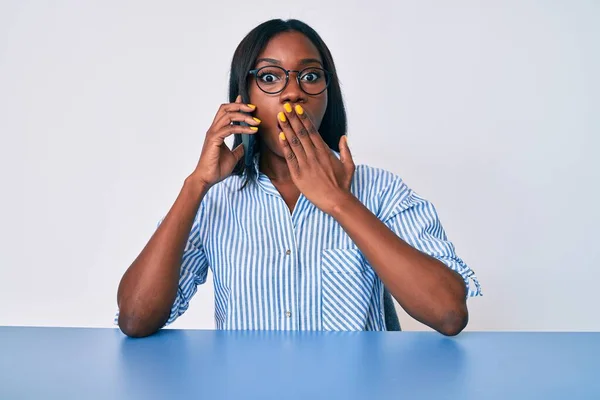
column 276, row 270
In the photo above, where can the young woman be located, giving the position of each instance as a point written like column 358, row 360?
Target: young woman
column 298, row 237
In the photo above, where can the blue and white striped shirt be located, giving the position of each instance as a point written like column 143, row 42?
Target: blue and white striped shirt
column 301, row 271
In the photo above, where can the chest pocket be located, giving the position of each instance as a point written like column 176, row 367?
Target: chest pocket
column 346, row 290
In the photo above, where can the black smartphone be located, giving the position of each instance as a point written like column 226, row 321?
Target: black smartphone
column 248, row 141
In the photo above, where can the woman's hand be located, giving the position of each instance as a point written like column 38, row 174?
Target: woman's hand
column 217, row 160
column 323, row 178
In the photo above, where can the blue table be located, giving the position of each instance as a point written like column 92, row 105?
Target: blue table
column 68, row 363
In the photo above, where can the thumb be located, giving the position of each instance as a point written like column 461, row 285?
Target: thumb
column 345, row 155
column 238, row 152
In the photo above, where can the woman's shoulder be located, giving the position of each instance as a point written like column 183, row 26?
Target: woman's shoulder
column 376, row 179
column 372, row 179
column 230, row 185
column 382, row 190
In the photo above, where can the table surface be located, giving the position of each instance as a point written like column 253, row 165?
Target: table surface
column 103, row 363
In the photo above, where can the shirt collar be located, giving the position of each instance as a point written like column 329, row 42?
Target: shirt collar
column 256, row 161
column 264, row 182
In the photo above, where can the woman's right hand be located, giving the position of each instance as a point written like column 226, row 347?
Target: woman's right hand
column 217, row 160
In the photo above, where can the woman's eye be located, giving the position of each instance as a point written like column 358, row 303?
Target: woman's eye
column 268, row 78
column 311, row 77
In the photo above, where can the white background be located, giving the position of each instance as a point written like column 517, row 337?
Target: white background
column 489, row 110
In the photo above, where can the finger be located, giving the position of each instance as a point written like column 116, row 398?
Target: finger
column 309, row 126
column 238, row 107
column 292, row 140
column 299, row 129
column 345, row 154
column 228, row 118
column 233, row 107
column 229, row 130
column 288, row 153
column 238, row 152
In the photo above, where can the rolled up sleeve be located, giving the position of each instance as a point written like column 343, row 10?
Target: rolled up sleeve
column 193, row 272
column 416, row 221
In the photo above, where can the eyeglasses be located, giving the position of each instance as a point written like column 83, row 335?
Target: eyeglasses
column 273, row 79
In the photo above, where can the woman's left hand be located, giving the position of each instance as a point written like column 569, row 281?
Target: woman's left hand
column 323, row 178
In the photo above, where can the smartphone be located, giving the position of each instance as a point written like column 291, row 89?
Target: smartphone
column 248, row 141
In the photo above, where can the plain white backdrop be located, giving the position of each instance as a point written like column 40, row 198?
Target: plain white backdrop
column 491, row 110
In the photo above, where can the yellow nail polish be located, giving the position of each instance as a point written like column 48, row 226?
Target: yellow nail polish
column 281, row 116
column 299, row 109
column 254, row 128
column 251, row 105
column 281, row 135
column 257, row 120
column 287, row 107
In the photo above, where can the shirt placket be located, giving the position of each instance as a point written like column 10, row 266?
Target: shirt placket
column 290, row 296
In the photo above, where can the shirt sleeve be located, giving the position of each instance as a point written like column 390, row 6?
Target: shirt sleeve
column 193, row 272
column 416, row 221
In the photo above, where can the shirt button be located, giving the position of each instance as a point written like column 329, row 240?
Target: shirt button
column 288, row 314
column 288, row 252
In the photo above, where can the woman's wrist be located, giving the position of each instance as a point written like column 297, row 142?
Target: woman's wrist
column 196, row 186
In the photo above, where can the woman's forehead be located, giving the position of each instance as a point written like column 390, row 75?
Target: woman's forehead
column 290, row 48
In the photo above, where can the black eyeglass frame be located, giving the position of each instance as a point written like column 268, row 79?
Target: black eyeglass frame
column 327, row 75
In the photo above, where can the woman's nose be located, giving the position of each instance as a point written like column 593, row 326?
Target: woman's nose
column 292, row 92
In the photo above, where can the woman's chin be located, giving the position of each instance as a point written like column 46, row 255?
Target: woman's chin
column 279, row 150
column 270, row 140
column 276, row 149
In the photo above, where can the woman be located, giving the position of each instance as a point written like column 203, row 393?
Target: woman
column 298, row 238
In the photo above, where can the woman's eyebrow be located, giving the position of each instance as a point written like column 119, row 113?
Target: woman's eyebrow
column 268, row 60
column 310, row 61
column 304, row 61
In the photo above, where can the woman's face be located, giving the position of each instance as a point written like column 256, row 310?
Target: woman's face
column 291, row 51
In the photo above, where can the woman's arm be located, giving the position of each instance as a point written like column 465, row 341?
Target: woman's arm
column 427, row 289
column 149, row 286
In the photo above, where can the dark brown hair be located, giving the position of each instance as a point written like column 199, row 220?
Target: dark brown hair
column 334, row 123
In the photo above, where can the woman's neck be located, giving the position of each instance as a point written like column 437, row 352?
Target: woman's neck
column 274, row 166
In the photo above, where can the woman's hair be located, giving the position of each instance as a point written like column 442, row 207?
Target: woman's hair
column 333, row 125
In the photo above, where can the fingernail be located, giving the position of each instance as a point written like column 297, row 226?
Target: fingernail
column 299, row 109
column 251, row 106
column 281, row 116
column 287, row 107
column 257, row 120
column 254, row 128
column 281, row 135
